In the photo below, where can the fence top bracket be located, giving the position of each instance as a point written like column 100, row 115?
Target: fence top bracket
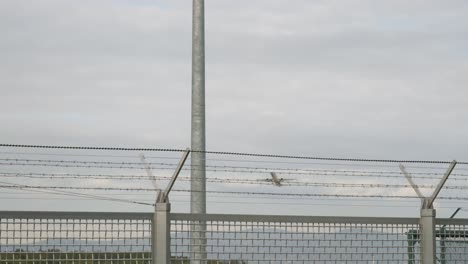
column 163, row 197
column 428, row 202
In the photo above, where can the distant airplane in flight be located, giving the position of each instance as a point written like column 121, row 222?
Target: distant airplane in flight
column 275, row 179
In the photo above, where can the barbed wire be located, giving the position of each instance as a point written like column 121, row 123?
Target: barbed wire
column 172, row 165
column 186, row 190
column 237, row 192
column 316, row 173
column 181, row 194
column 133, row 176
column 223, row 160
column 232, row 181
column 233, row 202
column 69, row 193
column 279, row 198
column 427, row 172
column 228, row 153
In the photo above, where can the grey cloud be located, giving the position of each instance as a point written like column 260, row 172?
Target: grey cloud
column 347, row 75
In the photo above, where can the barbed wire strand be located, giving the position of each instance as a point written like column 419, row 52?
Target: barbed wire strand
column 317, row 173
column 124, row 166
column 247, row 181
column 220, row 160
column 69, row 193
column 231, row 202
column 233, row 192
column 228, row 153
column 172, row 165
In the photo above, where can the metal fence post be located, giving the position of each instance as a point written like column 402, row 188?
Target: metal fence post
column 161, row 225
column 161, row 234
column 428, row 236
column 427, row 220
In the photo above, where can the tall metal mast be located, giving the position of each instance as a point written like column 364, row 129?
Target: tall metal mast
column 198, row 173
column 198, row 197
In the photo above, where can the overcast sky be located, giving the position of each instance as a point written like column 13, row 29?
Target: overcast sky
column 362, row 78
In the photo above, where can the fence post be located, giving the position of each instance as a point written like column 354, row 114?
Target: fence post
column 427, row 220
column 428, row 236
column 161, row 234
column 161, row 225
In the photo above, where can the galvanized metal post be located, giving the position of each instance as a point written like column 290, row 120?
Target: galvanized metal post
column 198, row 183
column 428, row 236
column 198, row 110
column 161, row 234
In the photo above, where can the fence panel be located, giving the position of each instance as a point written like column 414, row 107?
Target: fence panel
column 57, row 237
column 452, row 241
column 78, row 238
column 290, row 239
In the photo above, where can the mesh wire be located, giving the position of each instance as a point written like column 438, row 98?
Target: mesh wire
column 97, row 239
column 77, row 241
column 452, row 243
column 267, row 241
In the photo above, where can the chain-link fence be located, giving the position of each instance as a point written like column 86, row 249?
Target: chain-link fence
column 78, row 238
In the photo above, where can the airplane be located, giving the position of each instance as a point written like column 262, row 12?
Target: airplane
column 275, row 179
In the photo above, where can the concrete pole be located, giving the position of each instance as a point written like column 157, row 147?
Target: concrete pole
column 161, row 234
column 428, row 236
column 198, row 183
